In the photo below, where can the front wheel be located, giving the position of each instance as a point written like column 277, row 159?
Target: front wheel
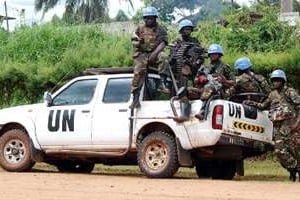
column 15, row 151
column 157, row 155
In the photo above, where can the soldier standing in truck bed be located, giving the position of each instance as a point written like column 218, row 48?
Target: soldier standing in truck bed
column 220, row 72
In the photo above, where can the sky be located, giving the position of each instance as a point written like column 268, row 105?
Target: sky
column 14, row 8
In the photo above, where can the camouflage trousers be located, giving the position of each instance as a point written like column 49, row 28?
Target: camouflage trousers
column 284, row 144
column 141, row 66
column 207, row 92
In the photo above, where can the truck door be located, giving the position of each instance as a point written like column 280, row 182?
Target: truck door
column 111, row 116
column 68, row 120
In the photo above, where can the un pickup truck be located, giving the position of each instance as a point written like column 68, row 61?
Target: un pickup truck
column 88, row 121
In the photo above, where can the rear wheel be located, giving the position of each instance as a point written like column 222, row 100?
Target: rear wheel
column 224, row 170
column 216, row 169
column 75, row 166
column 15, row 151
column 157, row 155
column 204, row 169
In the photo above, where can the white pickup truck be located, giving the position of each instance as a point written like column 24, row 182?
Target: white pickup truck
column 88, row 121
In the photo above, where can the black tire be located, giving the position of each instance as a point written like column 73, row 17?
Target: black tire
column 224, row 170
column 204, row 169
column 75, row 166
column 157, row 155
column 15, row 151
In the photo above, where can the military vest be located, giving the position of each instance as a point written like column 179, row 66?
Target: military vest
column 150, row 37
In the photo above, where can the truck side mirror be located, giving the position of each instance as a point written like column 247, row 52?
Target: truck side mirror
column 48, row 98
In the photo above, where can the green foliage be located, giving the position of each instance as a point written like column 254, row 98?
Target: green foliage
column 32, row 58
column 244, row 34
column 121, row 16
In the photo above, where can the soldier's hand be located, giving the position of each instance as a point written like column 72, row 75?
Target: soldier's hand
column 249, row 103
column 221, row 79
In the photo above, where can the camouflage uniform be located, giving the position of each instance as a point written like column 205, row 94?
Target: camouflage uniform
column 189, row 56
column 216, row 70
column 284, row 111
column 151, row 38
column 253, row 83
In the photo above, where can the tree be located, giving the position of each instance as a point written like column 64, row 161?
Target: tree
column 121, row 16
column 84, row 10
column 199, row 9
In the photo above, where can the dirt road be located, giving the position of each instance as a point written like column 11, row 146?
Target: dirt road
column 60, row 186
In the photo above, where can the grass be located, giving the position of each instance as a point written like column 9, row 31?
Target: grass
column 255, row 170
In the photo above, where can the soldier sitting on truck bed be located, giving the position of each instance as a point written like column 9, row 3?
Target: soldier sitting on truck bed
column 216, row 73
column 249, row 82
column 149, row 40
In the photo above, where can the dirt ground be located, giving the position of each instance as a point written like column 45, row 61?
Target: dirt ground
column 63, row 186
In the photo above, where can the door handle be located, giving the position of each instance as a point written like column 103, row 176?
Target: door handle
column 123, row 110
column 85, row 111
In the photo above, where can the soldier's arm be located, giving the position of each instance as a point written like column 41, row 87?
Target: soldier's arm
column 261, row 106
column 266, row 88
column 294, row 98
column 162, row 42
column 229, row 78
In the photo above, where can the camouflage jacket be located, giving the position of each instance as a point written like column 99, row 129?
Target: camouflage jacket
column 250, row 82
column 218, row 69
column 151, row 37
column 283, row 104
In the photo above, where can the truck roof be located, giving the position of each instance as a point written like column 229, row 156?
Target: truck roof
column 108, row 70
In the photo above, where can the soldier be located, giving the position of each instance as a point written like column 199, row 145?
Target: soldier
column 247, row 80
column 187, row 57
column 284, row 105
column 149, row 40
column 220, row 73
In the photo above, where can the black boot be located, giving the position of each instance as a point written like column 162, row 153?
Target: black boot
column 136, row 100
column 185, row 110
column 293, row 174
column 201, row 114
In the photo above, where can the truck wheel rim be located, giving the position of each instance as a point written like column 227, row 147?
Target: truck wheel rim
column 156, row 155
column 14, row 151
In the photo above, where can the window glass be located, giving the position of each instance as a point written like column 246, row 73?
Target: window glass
column 79, row 93
column 151, row 92
column 117, row 90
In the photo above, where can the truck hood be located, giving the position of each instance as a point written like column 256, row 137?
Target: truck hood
column 29, row 110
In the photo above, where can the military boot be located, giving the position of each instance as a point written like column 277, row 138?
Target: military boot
column 136, row 100
column 201, row 114
column 293, row 173
column 185, row 110
column 162, row 85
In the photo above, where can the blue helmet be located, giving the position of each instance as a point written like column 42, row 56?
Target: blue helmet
column 215, row 48
column 278, row 73
column 150, row 12
column 243, row 63
column 185, row 23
